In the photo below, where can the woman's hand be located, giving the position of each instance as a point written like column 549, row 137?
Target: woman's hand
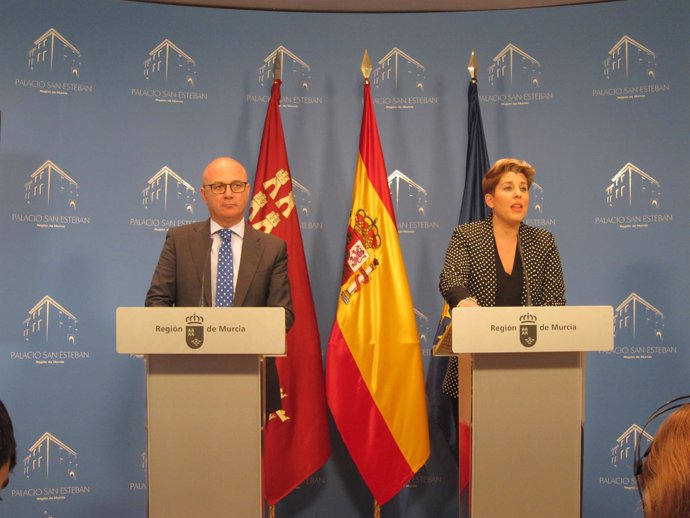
column 468, row 302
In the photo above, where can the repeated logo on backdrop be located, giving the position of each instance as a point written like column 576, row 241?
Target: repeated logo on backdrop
column 51, row 471
column 630, row 72
column 634, row 200
column 516, row 78
column 425, row 478
column 318, row 479
column 303, row 201
column 50, row 458
column 399, row 82
column 49, row 181
column 167, row 200
column 290, row 63
column 537, row 205
column 639, row 328
column 635, row 318
column 620, row 473
column 140, row 485
column 50, row 335
column 54, row 66
column 50, row 322
column 632, row 184
column 296, row 77
column 410, row 203
column 51, row 198
column 169, row 76
column 167, row 190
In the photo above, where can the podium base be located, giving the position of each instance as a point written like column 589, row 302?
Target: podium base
column 204, row 430
column 527, row 420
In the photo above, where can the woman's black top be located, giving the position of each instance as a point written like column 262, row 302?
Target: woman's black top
column 509, row 287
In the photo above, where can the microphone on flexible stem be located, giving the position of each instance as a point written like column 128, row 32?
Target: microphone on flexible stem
column 203, row 275
column 524, row 272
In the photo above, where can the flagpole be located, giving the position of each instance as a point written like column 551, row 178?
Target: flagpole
column 278, row 66
column 366, row 66
column 366, row 72
column 472, row 67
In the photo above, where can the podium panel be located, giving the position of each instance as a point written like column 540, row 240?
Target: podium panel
column 532, row 329
column 200, row 331
column 204, row 436
column 527, row 417
column 521, row 374
column 204, row 404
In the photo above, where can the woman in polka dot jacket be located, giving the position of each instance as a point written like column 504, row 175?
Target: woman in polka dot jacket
column 500, row 261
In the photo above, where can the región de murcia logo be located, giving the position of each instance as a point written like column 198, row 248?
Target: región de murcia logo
column 194, row 332
column 359, row 264
column 528, row 330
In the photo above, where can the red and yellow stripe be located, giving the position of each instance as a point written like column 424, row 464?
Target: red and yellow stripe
column 375, row 381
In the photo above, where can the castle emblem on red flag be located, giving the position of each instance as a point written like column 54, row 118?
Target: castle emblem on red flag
column 273, row 200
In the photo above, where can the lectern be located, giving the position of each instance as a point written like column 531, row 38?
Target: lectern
column 204, row 404
column 521, row 390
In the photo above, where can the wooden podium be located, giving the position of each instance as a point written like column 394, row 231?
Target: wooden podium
column 204, row 404
column 521, row 390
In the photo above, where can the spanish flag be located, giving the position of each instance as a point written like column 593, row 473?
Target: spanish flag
column 374, row 373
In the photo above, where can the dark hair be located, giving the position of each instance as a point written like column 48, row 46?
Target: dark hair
column 8, row 446
column 503, row 166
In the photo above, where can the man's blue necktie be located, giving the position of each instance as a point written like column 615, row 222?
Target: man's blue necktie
column 224, row 290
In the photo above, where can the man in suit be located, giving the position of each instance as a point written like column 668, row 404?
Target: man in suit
column 188, row 275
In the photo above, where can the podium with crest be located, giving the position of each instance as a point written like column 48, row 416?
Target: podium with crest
column 204, row 404
column 522, row 394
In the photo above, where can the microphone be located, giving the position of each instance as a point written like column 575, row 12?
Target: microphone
column 524, row 272
column 202, row 304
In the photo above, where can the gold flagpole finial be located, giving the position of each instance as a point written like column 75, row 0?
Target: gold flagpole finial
column 278, row 66
column 366, row 65
column 472, row 66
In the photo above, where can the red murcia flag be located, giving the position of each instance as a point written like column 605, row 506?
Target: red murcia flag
column 296, row 440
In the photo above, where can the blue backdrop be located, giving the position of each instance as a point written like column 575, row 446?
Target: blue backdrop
column 110, row 110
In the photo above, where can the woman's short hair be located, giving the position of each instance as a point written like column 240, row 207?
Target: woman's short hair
column 665, row 475
column 503, row 166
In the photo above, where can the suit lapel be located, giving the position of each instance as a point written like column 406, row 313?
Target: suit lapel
column 199, row 246
column 490, row 258
column 526, row 242
column 251, row 253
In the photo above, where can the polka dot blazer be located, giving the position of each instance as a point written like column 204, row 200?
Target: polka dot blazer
column 469, row 270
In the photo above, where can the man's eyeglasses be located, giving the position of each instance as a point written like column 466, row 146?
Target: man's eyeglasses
column 220, row 188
